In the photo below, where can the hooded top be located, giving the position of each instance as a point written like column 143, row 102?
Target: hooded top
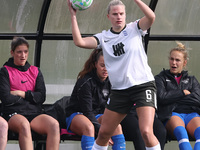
column 25, row 78
column 89, row 97
column 171, row 97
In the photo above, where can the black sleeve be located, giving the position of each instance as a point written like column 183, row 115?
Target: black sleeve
column 97, row 40
column 192, row 99
column 85, row 99
column 138, row 25
column 5, row 96
column 39, row 95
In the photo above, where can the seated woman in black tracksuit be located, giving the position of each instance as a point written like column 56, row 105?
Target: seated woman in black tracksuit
column 22, row 92
column 87, row 103
column 179, row 99
column 88, row 100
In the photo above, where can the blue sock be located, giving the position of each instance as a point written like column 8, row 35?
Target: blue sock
column 87, row 142
column 197, row 137
column 182, row 137
column 119, row 142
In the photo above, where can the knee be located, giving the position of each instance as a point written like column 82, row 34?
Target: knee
column 146, row 133
column 54, row 126
column 88, row 129
column 3, row 128
column 4, row 125
column 104, row 133
column 25, row 127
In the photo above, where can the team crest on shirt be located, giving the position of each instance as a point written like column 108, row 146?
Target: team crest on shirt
column 118, row 49
column 125, row 33
column 108, row 102
column 185, row 81
column 105, row 92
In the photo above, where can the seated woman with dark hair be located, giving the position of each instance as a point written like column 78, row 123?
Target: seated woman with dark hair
column 87, row 103
column 22, row 92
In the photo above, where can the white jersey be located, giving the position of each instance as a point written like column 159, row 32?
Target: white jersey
column 125, row 57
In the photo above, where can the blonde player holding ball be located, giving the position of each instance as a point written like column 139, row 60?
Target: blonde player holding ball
column 129, row 73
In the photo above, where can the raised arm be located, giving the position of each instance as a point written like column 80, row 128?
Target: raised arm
column 145, row 22
column 87, row 42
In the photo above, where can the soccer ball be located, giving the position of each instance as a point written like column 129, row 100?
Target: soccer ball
column 81, row 4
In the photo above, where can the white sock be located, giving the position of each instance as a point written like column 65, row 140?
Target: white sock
column 98, row 147
column 157, row 147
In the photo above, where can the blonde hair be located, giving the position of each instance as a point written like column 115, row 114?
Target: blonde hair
column 181, row 48
column 114, row 3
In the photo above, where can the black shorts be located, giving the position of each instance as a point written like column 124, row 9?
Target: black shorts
column 28, row 117
column 121, row 101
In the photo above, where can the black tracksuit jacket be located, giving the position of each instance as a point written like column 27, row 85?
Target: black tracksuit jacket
column 89, row 96
column 171, row 97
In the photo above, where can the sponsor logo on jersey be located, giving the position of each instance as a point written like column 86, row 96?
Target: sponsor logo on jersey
column 106, row 41
column 23, row 81
column 118, row 49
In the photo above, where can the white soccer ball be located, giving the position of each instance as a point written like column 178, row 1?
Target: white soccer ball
column 81, row 4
